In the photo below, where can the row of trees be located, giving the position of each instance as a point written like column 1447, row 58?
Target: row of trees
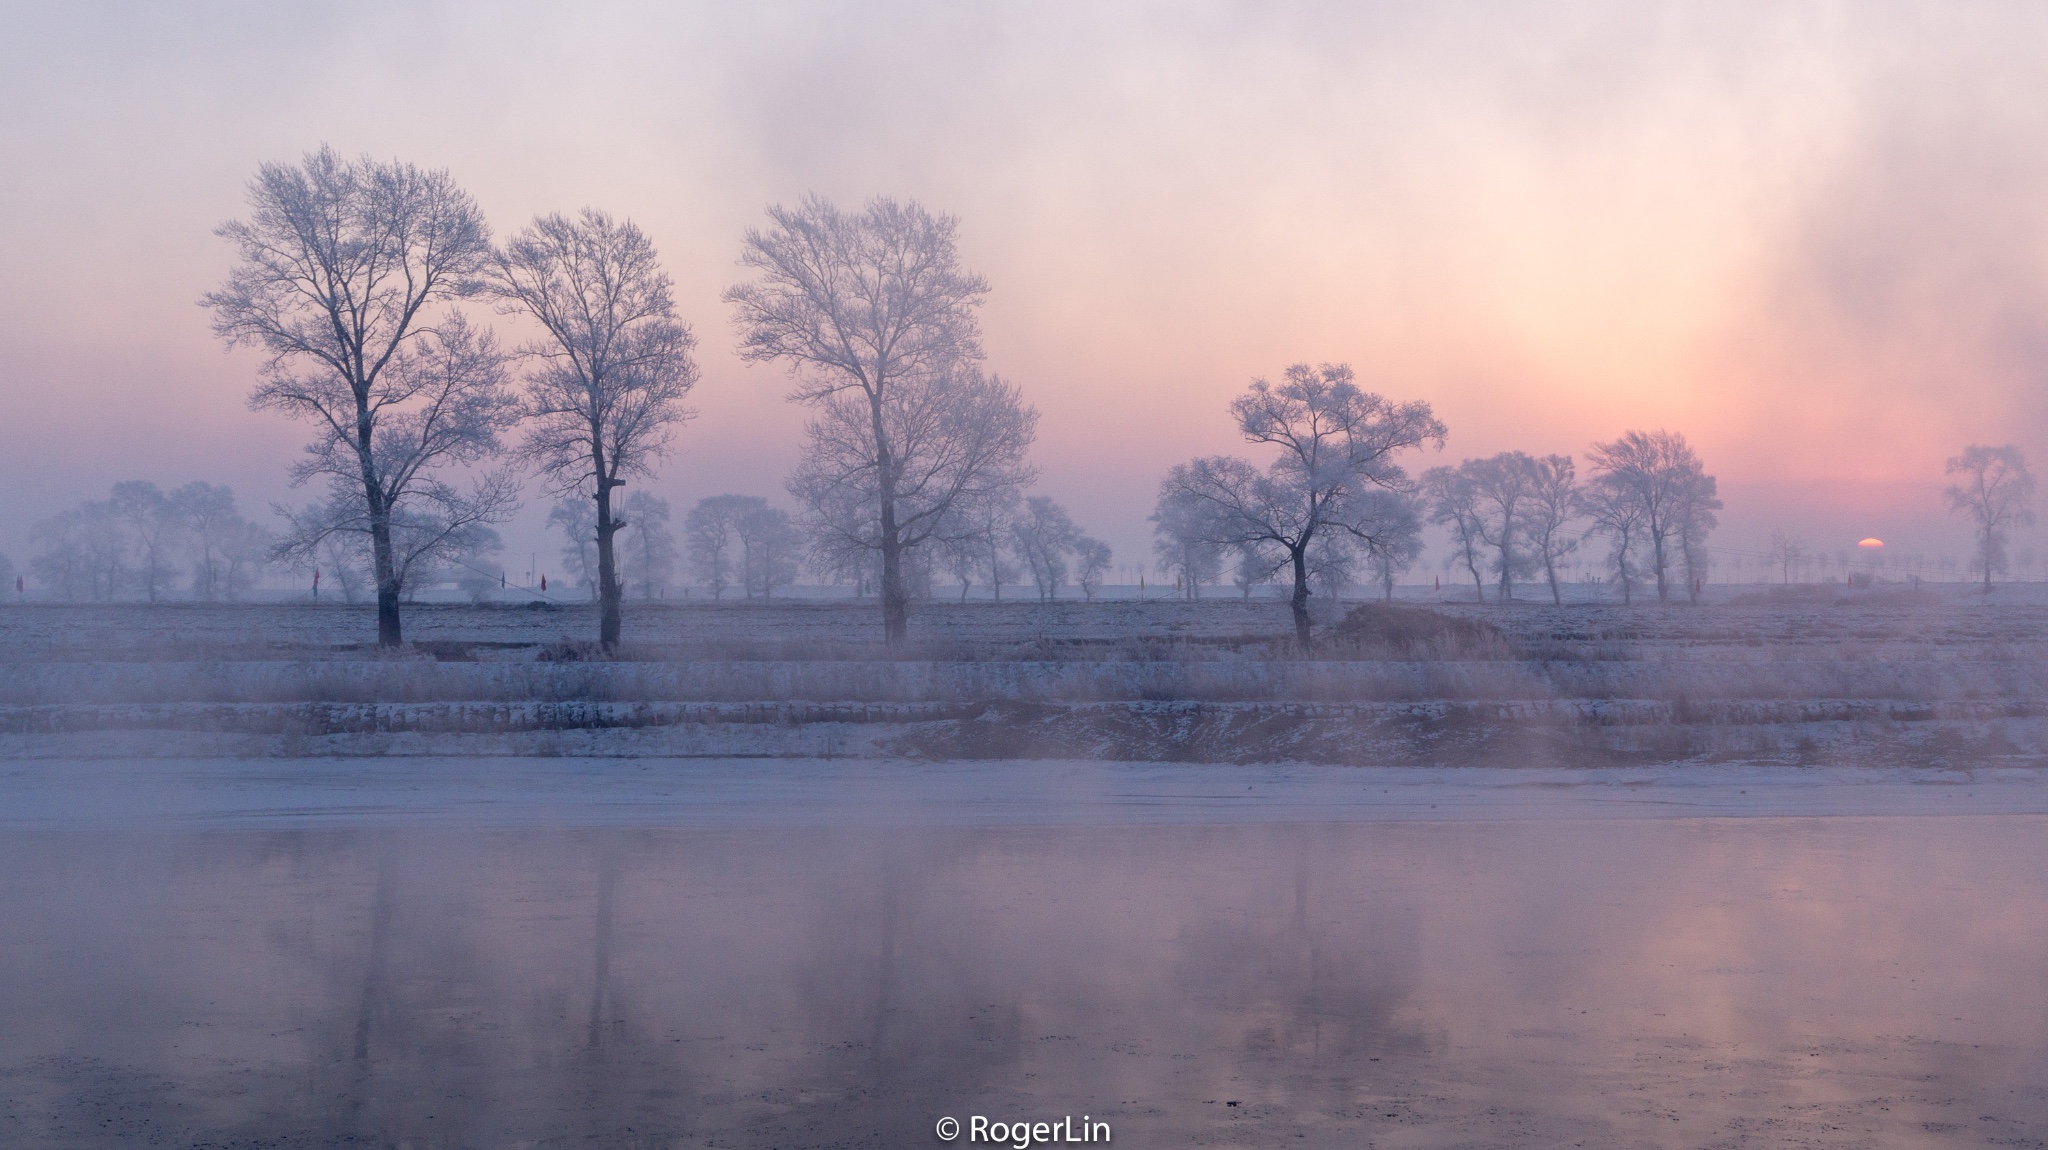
column 347, row 281
column 1514, row 516
column 341, row 267
column 142, row 540
column 741, row 542
column 1332, row 499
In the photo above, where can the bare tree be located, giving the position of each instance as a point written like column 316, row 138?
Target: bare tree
column 345, row 561
column 576, row 518
column 1398, row 544
column 1616, row 512
column 226, row 551
column 81, row 553
column 1044, row 538
column 770, row 546
column 431, row 526
column 338, row 261
column 875, row 319
column 1504, row 487
column 1182, row 527
column 1333, row 564
column 1092, row 558
column 710, row 534
column 615, row 365
column 1454, row 503
column 958, row 444
column 975, row 544
column 154, row 525
column 1787, row 551
column 1675, row 497
column 1997, row 492
column 1694, row 512
column 1553, row 506
column 650, row 551
column 1253, row 566
column 1336, row 443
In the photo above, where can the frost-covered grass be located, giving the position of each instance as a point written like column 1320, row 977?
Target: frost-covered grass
column 1954, row 677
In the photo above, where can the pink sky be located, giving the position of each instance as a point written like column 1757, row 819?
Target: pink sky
column 1809, row 237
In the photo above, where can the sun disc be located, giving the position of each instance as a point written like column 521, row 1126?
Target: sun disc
column 1873, row 543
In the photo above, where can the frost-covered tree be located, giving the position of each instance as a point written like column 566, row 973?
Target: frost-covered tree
column 1674, row 496
column 1615, row 511
column 1553, row 507
column 226, row 553
column 1399, row 543
column 1044, row 538
column 1694, row 511
column 426, row 534
column 711, row 537
column 344, row 560
column 1182, row 527
column 770, row 547
column 875, row 319
column 1335, row 444
column 1787, row 552
column 1092, row 558
column 576, row 518
column 1503, row 487
column 1333, row 564
column 1252, row 565
column 974, row 544
column 1454, row 504
column 338, row 263
column 154, row 528
column 1997, row 492
column 648, row 559
column 614, row 366
column 84, row 553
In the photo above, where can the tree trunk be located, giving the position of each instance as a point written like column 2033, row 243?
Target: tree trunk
column 895, row 598
column 1507, row 560
column 1300, row 557
column 609, row 592
column 1550, row 573
column 388, row 631
column 1657, row 556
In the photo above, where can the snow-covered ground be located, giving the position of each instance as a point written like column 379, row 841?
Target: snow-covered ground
column 1890, row 678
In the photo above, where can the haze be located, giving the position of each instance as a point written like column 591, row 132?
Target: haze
column 1807, row 236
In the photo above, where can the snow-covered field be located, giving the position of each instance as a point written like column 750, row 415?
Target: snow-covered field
column 1943, row 679
column 1949, row 678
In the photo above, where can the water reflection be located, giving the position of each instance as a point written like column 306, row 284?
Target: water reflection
column 1677, row 982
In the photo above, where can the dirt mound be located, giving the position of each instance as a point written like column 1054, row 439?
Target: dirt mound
column 1417, row 633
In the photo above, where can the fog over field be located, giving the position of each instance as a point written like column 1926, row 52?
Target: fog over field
column 813, row 575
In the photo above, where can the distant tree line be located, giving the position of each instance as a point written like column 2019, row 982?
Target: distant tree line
column 144, row 542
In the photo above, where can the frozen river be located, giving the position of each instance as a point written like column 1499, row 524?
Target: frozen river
column 433, row 952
